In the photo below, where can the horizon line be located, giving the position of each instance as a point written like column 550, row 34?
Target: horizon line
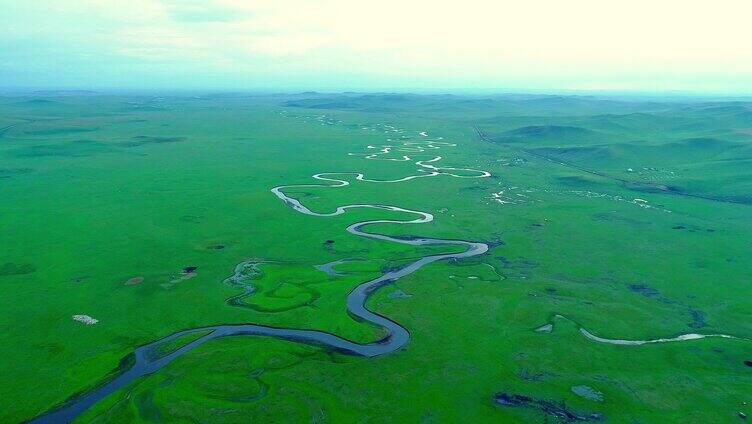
column 5, row 90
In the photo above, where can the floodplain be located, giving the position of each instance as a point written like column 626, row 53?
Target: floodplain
column 578, row 258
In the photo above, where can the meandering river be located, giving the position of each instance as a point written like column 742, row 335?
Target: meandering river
column 147, row 359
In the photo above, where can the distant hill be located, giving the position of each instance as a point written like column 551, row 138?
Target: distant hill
column 626, row 155
column 545, row 131
column 536, row 135
column 500, row 105
column 364, row 102
column 724, row 164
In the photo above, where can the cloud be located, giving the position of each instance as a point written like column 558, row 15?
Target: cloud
column 194, row 11
column 493, row 43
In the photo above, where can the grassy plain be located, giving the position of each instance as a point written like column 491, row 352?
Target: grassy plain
column 630, row 217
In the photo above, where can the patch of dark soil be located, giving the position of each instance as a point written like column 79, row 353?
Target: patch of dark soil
column 650, row 292
column 700, row 263
column 141, row 140
column 135, row 280
column 520, row 267
column 10, row 172
column 692, row 228
column 10, row 268
column 75, row 148
column 653, row 187
column 495, row 243
column 61, row 131
column 644, row 289
column 553, row 408
column 528, row 375
column 698, row 318
column 192, row 219
column 474, row 188
column 38, row 102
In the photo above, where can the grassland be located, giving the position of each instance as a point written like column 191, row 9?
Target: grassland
column 631, row 218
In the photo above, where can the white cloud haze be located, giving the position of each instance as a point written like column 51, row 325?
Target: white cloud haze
column 338, row 44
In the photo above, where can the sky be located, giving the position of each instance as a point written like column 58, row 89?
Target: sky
column 330, row 45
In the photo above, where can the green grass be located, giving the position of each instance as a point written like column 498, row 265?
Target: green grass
column 178, row 342
column 99, row 189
